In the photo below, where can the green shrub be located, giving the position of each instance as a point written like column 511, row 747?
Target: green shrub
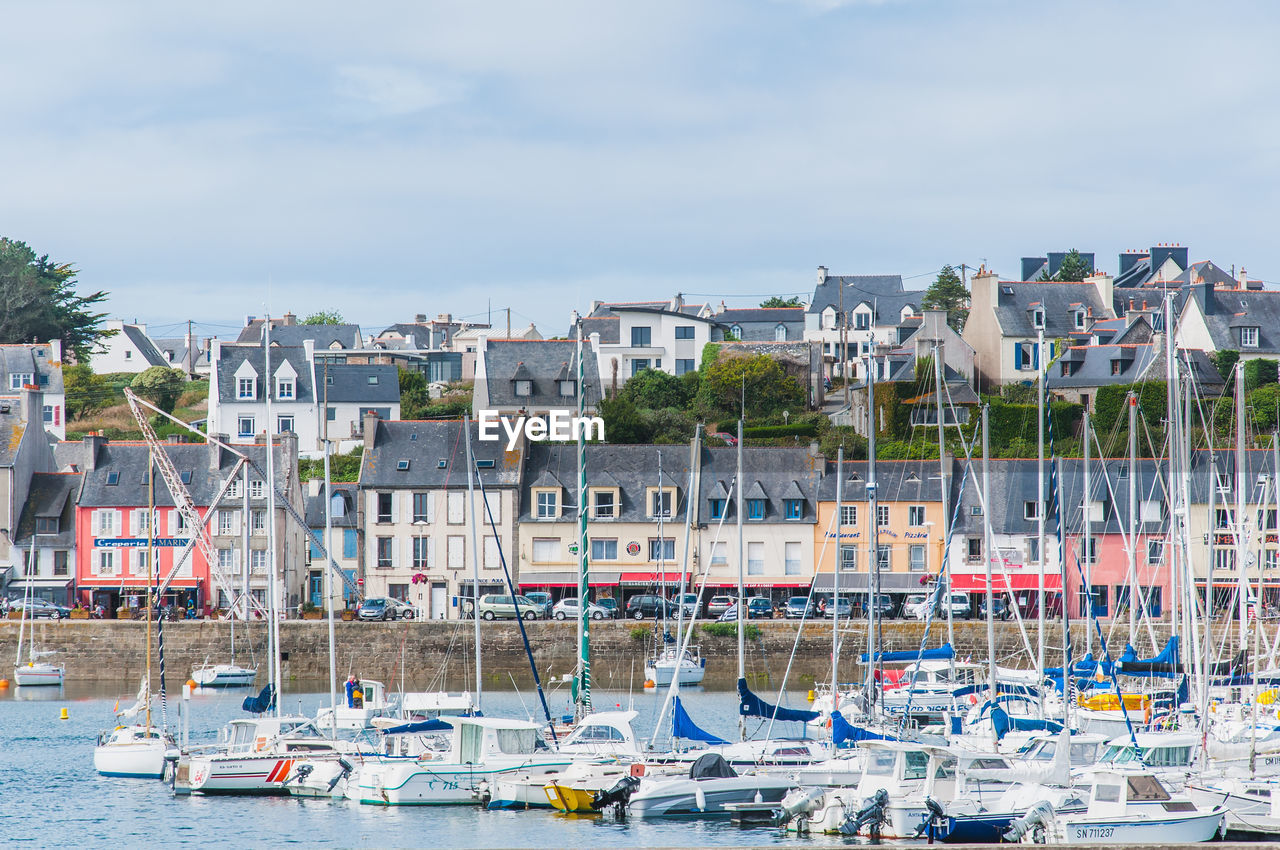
column 640, row 634
column 730, row 630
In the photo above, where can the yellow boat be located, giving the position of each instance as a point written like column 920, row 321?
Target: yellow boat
column 569, row 797
column 1109, row 702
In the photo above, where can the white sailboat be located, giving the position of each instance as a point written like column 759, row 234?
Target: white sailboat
column 33, row 671
column 670, row 660
column 232, row 675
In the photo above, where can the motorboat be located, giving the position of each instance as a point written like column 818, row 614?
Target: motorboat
column 255, row 756
column 1253, row 805
column 224, row 676
column 711, row 785
column 350, row 715
column 669, row 663
column 424, row 705
column 136, row 751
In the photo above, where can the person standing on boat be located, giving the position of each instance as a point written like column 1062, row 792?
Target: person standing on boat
column 351, row 692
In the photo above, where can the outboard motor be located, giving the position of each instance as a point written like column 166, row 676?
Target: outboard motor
column 347, row 767
column 618, row 795
column 872, row 814
column 1036, row 821
column 935, row 816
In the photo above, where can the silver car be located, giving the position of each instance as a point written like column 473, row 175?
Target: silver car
column 568, row 609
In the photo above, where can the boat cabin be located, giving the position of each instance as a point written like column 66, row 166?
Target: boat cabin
column 903, row 768
column 1159, row 750
column 251, row 735
column 605, row 733
column 476, row 739
column 423, row 705
column 1113, row 794
column 1084, row 748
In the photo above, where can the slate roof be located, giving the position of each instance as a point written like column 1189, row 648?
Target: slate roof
column 884, row 293
column 30, row 360
column 1226, row 310
column 1091, row 366
column 1015, row 299
column 896, row 481
column 349, row 493
column 348, row 336
column 235, row 354
column 145, row 346
column 350, row 383
column 51, row 495
column 11, row 430
column 758, row 323
column 604, row 320
column 542, row 359
column 1137, row 269
column 1258, row 462
column 176, row 349
column 606, row 326
column 428, row 444
column 128, row 460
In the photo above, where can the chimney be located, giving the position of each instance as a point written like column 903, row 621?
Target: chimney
column 1105, row 284
column 1129, row 259
column 314, row 486
column 369, row 429
column 289, row 320
column 175, row 439
column 420, row 318
column 215, row 452
column 1242, row 279
column 822, row 275
column 677, row 303
column 93, row 443
column 32, row 404
column 445, row 318
column 814, row 449
column 983, row 292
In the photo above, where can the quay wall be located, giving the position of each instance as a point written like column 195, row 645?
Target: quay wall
column 439, row 654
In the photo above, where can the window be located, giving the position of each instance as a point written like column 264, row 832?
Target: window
column 736, row 331
column 604, row 549
column 915, row 516
column 457, row 514
column 755, row 559
column 662, row 549
column 1091, row 550
column 780, row 333
column 245, row 388
column 884, row 550
column 385, row 552
column 1117, row 366
column 638, row 366
column 1037, row 318
column 795, row 508
column 422, row 507
column 717, row 508
column 107, row 563
column 848, row 556
column 60, row 565
column 1248, row 337
column 1267, row 519
column 862, row 321
column 792, row 563
column 1149, row 511
column 568, row 389
column 47, row 525
column 974, row 552
column 18, row 380
column 140, row 562
column 1155, row 552
column 1033, row 550
column 684, row 366
column 1223, row 518
column 284, row 424
column 233, row 492
column 456, row 546
column 227, row 560
column 244, row 426
column 257, row 489
column 848, row 514
column 546, row 549
column 660, row 503
column 641, row 337
column 284, row 388
column 47, row 412
column 524, row 388
column 493, row 503
column 492, row 555
column 719, row 553
column 398, row 591
column 128, row 354
column 917, row 561
column 975, row 510
column 684, row 332
column 1224, row 560
column 258, row 521
column 1270, row 559
column 258, row 560
column 1030, row 510
column 755, row 508
column 349, row 543
column 373, row 380
column 882, row 516
column 1025, row 356
column 385, row 503
column 1079, row 319
column 227, row 521
column 547, row 502
column 603, row 504
column 420, row 548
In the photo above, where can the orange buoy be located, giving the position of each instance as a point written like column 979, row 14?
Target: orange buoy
column 191, row 683
column 4, row 683
column 649, row 683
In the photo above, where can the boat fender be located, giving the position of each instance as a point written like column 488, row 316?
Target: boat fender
column 700, row 798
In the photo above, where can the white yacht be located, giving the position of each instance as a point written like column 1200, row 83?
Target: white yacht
column 136, row 751
column 669, row 663
column 224, row 676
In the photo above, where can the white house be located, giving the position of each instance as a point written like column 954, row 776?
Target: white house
column 875, row 309
column 129, row 349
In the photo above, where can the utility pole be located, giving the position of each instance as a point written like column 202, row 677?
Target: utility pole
column 508, row 323
column 191, row 363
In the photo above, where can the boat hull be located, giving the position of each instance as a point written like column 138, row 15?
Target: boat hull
column 418, row 784
column 703, row 797
column 263, row 774
column 1192, row 828
column 224, row 676
column 662, row 674
column 38, row 674
column 569, row 798
column 139, row 760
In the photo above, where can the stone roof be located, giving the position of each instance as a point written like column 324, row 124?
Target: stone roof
column 125, row 464
column 433, row 454
column 51, row 495
column 348, row 494
column 1015, row 301
column 324, row 336
column 145, row 346
column 542, row 361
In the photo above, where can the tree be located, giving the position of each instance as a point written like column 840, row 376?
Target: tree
column 38, row 302
column 757, row 379
column 948, row 293
column 1074, row 267
column 161, row 386
column 86, row 392
column 654, row 389
column 622, row 422
column 1225, row 360
column 324, row 317
column 779, row 301
column 414, row 397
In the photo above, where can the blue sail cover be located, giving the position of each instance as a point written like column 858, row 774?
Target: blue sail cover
column 682, row 726
column 750, row 705
column 845, row 734
column 435, row 724
column 262, row 703
column 1164, row 665
column 942, row 653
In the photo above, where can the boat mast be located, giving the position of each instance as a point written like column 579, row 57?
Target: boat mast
column 873, row 564
column 151, row 516
column 583, row 696
column 660, row 639
column 273, row 592
column 328, row 548
column 475, row 556
column 835, row 581
column 1087, row 542
column 1242, row 461
column 1066, row 616
column 244, row 556
column 1134, row 597
column 944, row 568
column 987, row 555
column 1043, row 363
column 742, row 598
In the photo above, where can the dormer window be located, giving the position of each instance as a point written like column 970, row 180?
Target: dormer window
column 245, row 388
column 736, row 330
column 1248, row 337
column 1079, row 317
column 524, row 388
column 780, row 333
column 568, row 389
column 1117, row 366
column 862, row 321
column 285, row 388
column 18, row 380
column 660, row 503
column 1037, row 318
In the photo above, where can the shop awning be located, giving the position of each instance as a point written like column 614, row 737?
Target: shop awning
column 854, row 581
column 671, row 578
column 568, row 578
column 1004, row 581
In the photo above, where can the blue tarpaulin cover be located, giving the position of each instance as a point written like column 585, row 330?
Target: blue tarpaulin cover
column 750, row 705
column 682, row 726
column 845, row 734
column 435, row 724
column 262, row 703
column 942, row 653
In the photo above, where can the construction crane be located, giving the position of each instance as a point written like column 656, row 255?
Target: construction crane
column 186, row 507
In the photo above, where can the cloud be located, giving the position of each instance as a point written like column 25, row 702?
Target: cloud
column 394, row 91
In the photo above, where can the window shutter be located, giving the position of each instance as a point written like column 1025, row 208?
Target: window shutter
column 134, row 524
column 406, row 509
column 431, row 507
column 408, row 552
column 1036, row 357
column 1017, row 355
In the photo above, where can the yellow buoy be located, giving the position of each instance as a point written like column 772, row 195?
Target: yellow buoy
column 812, row 696
column 64, row 715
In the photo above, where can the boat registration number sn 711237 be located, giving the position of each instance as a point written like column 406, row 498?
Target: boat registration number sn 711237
column 1094, row 831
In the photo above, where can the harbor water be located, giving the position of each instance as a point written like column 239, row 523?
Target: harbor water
column 50, row 795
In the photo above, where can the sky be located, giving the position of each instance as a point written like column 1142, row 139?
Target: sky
column 386, row 159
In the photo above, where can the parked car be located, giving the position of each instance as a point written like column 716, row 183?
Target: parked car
column 543, row 599
column 690, row 604
column 915, row 605
column 499, row 607
column 758, row 608
column 998, row 605
column 718, row 605
column 609, row 604
column 568, row 609
column 959, row 606
column 648, row 605
column 799, row 607
column 39, row 608
column 384, row 608
column 886, row 608
column 842, row 607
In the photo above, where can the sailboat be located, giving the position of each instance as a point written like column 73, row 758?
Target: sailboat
column 232, row 675
column 33, row 672
column 671, row 660
column 138, row 750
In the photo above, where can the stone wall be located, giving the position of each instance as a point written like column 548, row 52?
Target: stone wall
column 441, row 654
